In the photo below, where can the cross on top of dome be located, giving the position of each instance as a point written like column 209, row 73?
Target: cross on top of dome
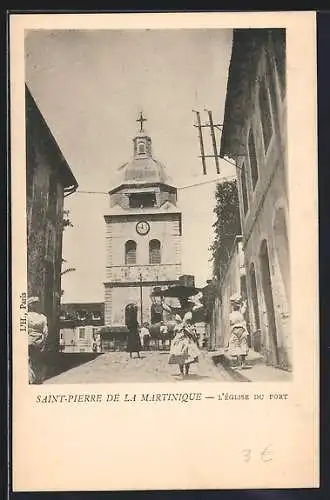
column 141, row 119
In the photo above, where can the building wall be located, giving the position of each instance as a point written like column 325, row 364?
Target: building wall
column 122, row 282
column 118, row 297
column 78, row 338
column 263, row 230
column 121, row 229
column 231, row 283
column 45, row 194
column 267, row 216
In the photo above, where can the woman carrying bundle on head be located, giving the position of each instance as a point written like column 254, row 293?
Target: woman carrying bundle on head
column 238, row 345
column 184, row 350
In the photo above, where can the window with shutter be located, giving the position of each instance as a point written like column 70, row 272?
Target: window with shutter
column 130, row 252
column 265, row 113
column 253, row 159
column 244, row 189
column 154, row 252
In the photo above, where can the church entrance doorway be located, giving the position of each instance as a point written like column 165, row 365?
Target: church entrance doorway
column 130, row 313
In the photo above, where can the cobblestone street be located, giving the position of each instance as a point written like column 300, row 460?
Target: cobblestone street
column 151, row 367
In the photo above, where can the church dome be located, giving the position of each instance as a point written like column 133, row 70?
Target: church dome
column 143, row 168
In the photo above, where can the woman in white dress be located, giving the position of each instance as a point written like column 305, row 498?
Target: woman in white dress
column 37, row 336
column 238, row 345
column 184, row 350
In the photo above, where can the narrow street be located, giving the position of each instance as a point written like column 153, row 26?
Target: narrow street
column 151, row 367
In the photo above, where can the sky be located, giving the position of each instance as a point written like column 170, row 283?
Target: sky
column 90, row 86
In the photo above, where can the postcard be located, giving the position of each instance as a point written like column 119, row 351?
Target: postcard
column 165, row 253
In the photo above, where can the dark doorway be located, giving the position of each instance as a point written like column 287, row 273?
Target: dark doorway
column 255, row 305
column 282, row 248
column 269, row 302
column 130, row 314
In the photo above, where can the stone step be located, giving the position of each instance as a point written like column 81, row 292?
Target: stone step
column 222, row 356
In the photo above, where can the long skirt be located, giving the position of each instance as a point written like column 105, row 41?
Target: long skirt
column 238, row 345
column 184, row 351
column 133, row 341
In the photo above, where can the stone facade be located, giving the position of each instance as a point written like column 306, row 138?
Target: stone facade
column 143, row 235
column 233, row 281
column 79, row 325
column 255, row 136
column 48, row 180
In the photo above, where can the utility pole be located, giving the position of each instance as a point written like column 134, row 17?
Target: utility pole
column 200, row 133
column 213, row 141
column 211, row 125
column 141, row 299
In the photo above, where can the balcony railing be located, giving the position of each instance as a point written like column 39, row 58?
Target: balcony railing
column 151, row 272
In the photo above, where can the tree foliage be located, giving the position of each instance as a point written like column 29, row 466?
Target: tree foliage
column 227, row 225
column 66, row 219
column 66, row 222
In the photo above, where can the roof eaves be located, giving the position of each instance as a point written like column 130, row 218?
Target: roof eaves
column 69, row 181
column 245, row 50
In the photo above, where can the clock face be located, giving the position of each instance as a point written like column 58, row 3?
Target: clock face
column 142, row 227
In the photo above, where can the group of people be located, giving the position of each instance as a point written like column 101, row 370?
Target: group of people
column 184, row 349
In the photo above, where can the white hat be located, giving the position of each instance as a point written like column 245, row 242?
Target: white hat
column 236, row 298
column 32, row 300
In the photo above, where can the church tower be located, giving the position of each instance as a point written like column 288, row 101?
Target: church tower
column 143, row 234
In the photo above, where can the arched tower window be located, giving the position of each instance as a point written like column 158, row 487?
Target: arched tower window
column 154, row 252
column 130, row 252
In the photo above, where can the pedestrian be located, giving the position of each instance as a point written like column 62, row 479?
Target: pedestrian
column 184, row 350
column 98, row 339
column 133, row 337
column 145, row 336
column 94, row 344
column 163, row 332
column 37, row 337
column 62, row 343
column 238, row 345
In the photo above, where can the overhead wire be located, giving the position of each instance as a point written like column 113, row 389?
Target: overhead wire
column 178, row 188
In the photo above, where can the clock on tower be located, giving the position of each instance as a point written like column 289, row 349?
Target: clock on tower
column 142, row 227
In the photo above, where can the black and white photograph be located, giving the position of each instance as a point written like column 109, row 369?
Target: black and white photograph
column 164, row 222
column 157, row 207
